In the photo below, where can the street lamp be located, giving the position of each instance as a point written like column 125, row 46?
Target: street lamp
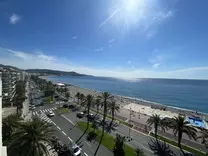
column 130, row 114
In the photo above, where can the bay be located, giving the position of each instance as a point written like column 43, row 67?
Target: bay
column 185, row 94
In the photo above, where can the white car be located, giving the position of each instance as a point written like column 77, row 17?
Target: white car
column 50, row 114
column 76, row 150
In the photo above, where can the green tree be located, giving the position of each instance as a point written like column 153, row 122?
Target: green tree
column 65, row 90
column 113, row 107
column 105, row 99
column 19, row 97
column 180, row 126
column 97, row 104
column 78, row 97
column 9, row 124
column 157, row 122
column 160, row 148
column 88, row 104
column 82, row 99
column 67, row 95
column 31, row 139
column 139, row 152
column 118, row 149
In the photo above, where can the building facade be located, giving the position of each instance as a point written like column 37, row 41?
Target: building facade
column 3, row 148
column 9, row 79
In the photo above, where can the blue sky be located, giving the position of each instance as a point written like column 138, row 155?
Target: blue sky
column 118, row 38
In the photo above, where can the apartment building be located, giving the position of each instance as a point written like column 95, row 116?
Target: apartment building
column 3, row 148
column 9, row 79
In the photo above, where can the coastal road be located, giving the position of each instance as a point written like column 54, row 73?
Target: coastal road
column 65, row 122
column 67, row 132
column 138, row 139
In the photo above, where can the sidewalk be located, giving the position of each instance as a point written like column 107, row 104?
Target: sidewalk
column 26, row 113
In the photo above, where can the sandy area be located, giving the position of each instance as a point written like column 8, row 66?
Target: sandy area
column 149, row 111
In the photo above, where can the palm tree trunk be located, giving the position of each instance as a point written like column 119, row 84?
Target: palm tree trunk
column 103, row 127
column 88, row 112
column 101, row 138
column 113, row 117
column 156, row 132
column 179, row 142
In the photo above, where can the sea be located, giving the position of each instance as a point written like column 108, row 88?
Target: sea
column 185, row 94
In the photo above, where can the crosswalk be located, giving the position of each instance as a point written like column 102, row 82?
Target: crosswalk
column 42, row 114
column 44, row 111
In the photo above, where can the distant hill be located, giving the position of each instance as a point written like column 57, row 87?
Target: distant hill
column 8, row 66
column 53, row 72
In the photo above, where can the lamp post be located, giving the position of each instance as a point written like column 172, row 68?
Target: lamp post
column 130, row 114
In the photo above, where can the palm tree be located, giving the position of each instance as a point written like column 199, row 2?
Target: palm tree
column 65, row 90
column 82, row 97
column 139, row 152
column 97, row 104
column 105, row 99
column 113, row 107
column 118, row 149
column 88, row 103
column 204, row 137
column 157, row 122
column 31, row 139
column 160, row 148
column 78, row 97
column 180, row 126
column 67, row 95
column 9, row 124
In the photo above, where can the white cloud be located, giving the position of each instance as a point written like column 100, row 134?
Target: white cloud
column 99, row 49
column 129, row 62
column 34, row 60
column 106, row 20
column 74, row 37
column 14, row 18
column 156, row 65
column 112, row 40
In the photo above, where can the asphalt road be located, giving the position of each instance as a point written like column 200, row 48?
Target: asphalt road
column 138, row 139
column 67, row 133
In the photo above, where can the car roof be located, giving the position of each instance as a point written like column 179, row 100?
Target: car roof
column 74, row 146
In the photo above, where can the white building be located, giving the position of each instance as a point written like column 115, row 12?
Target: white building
column 22, row 76
column 3, row 148
column 9, row 79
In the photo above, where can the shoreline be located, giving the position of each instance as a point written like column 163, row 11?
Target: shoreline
column 125, row 100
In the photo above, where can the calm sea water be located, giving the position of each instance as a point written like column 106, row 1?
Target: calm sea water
column 187, row 94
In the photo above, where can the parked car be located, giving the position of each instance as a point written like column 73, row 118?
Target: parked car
column 65, row 106
column 76, row 150
column 90, row 116
column 80, row 115
column 50, row 114
column 71, row 106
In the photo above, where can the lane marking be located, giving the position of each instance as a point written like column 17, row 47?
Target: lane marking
column 85, row 154
column 68, row 119
column 88, row 143
column 70, row 139
column 33, row 113
column 58, row 127
column 44, row 111
column 63, row 133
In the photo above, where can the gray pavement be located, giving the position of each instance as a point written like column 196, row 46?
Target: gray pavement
column 67, row 133
column 65, row 122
